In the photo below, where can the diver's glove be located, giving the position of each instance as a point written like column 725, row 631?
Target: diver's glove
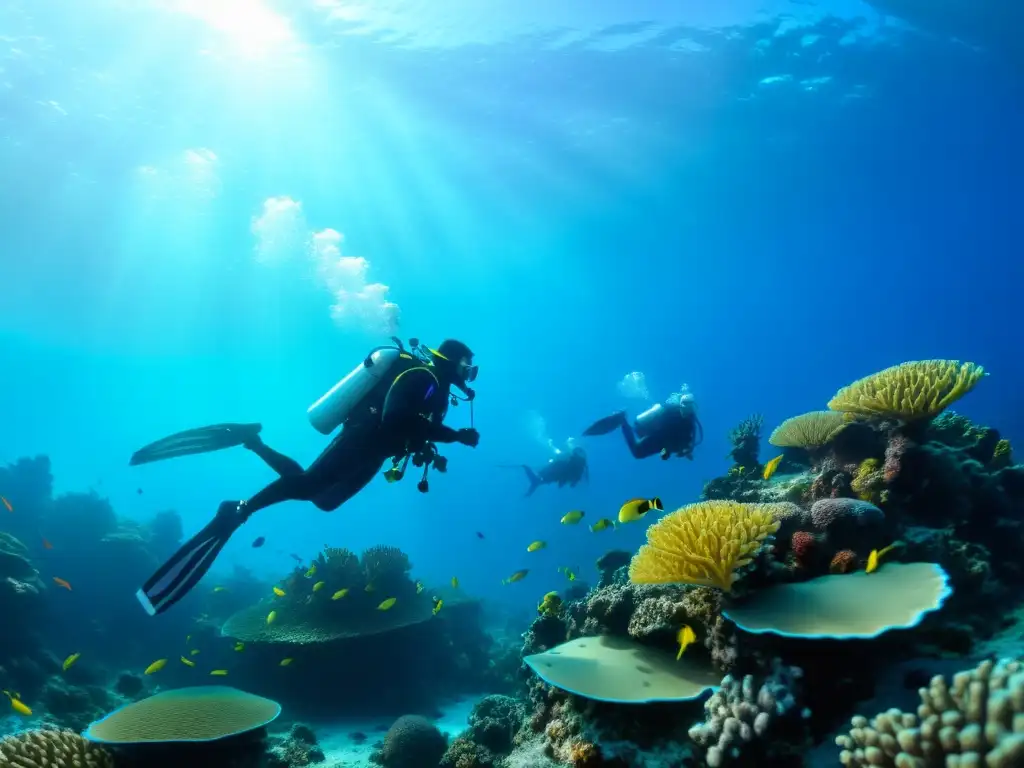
column 468, row 437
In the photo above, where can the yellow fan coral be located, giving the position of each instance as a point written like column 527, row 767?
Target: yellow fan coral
column 808, row 430
column 913, row 390
column 703, row 544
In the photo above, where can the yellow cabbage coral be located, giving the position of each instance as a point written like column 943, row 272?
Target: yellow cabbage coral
column 808, row 430
column 702, row 544
column 913, row 390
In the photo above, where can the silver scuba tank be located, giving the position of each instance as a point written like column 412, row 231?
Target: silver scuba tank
column 646, row 421
column 331, row 410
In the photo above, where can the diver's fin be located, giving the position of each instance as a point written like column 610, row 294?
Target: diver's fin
column 182, row 572
column 606, row 425
column 535, row 481
column 201, row 440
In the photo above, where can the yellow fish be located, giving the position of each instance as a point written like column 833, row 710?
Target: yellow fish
column 188, row 639
column 156, row 666
column 438, row 602
column 271, row 616
column 339, row 594
column 537, row 545
column 369, row 588
column 239, row 646
column 187, row 662
column 634, row 509
column 571, row 518
column 70, row 660
column 385, row 605
column 17, row 704
column 602, row 524
column 318, row 586
column 219, row 672
column 286, row 662
column 771, row 466
column 419, row 587
column 570, row 574
column 219, row 589
column 684, row 637
column 194, row 652
column 455, row 582
column 279, row 592
column 876, row 555
column 517, row 576
column 311, row 572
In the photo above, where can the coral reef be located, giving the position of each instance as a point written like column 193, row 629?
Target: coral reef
column 296, row 749
column 411, row 742
column 745, row 439
column 52, row 748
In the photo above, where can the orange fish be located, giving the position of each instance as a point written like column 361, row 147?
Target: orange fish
column 7, row 504
column 61, row 583
column 47, row 545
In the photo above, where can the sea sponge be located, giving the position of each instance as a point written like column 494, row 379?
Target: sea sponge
column 868, row 481
column 200, row 713
column 703, row 544
column 412, row 742
column 802, row 545
column 909, row 391
column 978, row 721
column 808, row 430
column 843, row 561
column 52, row 748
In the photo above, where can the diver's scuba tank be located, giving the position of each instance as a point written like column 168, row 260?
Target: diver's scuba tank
column 647, row 421
column 331, row 410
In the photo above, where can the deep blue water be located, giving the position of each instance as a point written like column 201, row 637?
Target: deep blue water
column 765, row 201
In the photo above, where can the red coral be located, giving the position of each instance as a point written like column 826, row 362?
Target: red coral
column 844, row 561
column 802, row 543
column 894, row 451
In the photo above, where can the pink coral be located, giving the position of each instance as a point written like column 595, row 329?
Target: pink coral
column 843, row 561
column 802, row 543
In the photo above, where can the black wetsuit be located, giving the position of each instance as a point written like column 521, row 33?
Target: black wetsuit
column 672, row 431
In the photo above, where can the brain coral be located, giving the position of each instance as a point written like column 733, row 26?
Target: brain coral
column 51, row 748
column 412, row 742
column 912, row 390
column 830, row 514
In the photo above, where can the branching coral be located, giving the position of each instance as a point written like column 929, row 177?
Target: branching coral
column 704, row 544
column 746, row 440
column 979, row 720
column 808, row 430
column 383, row 563
column 909, row 391
column 51, row 748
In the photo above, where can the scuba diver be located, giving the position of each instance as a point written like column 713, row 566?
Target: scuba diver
column 666, row 429
column 390, row 406
column 563, row 469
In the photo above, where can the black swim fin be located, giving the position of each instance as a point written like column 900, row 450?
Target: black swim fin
column 534, row 478
column 182, row 572
column 202, row 440
column 606, row 425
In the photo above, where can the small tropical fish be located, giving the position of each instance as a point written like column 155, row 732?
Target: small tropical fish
column 187, row 662
column 339, row 594
column 188, row 639
column 311, row 572
column 260, row 541
column 570, row 574
column 419, row 587
column 876, row 555
column 194, row 652
column 634, row 509
column 239, row 646
column 70, row 660
column 279, row 592
column 602, row 524
column 7, row 504
column 455, row 582
column 156, row 666
column 17, row 704
column 295, row 557
column 479, row 535
column 369, row 587
column 386, row 604
column 438, row 602
column 219, row 588
column 47, row 544
column 571, row 518
column 286, row 662
column 219, row 672
column 684, row 637
column 318, row 586
column 517, row 576
column 537, row 545
column 62, row 583
column 138, row 491
column 771, row 466
column 271, row 616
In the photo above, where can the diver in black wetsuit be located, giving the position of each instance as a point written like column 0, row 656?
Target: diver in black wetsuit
column 666, row 429
column 400, row 420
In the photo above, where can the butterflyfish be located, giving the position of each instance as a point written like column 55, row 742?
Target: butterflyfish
column 311, row 572
column 602, row 524
column 279, row 592
column 239, row 646
column 455, row 582
column 386, row 604
column 70, row 660
column 286, row 662
column 7, row 504
column 517, row 576
column 571, row 518
column 874, row 559
column 187, row 662
column 771, row 466
column 339, row 594
column 570, row 574
column 634, row 509
column 271, row 616
column 419, row 587
column 537, row 545
column 318, row 586
column 438, row 602
column 62, row 583
column 156, row 666
column 219, row 672
column 684, row 637
column 17, row 704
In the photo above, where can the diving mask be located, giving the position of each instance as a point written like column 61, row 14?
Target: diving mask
column 469, row 372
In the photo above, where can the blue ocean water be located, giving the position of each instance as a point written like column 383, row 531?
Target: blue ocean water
column 762, row 200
